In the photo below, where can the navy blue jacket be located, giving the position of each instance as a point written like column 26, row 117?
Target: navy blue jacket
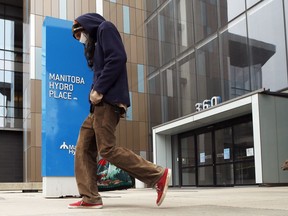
column 110, row 72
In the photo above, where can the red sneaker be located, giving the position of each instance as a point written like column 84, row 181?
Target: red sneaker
column 82, row 204
column 162, row 186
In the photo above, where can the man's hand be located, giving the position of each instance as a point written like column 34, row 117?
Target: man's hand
column 95, row 97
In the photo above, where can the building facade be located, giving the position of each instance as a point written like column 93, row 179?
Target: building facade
column 207, row 83
column 216, row 67
column 20, row 78
column 11, row 93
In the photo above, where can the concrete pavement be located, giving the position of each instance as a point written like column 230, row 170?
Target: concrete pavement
column 234, row 201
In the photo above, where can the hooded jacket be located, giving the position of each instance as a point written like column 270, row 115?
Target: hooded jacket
column 109, row 61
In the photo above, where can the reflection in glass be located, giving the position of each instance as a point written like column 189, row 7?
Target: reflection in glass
column 170, row 105
column 9, row 35
column 187, row 82
column 252, row 2
column 2, row 34
column 208, row 71
column 11, row 67
column 188, row 152
column 126, row 19
column 166, row 33
column 229, row 9
column 155, row 114
column 243, row 141
column 267, row 44
column 223, row 145
column 153, row 45
column 185, row 24
column 224, row 174
column 150, row 6
column 205, row 13
column 204, row 148
column 188, row 177
column 244, row 173
column 188, row 161
column 205, row 176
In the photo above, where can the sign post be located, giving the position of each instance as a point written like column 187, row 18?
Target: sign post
column 66, row 82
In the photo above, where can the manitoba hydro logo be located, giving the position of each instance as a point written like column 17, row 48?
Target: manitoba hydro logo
column 67, row 147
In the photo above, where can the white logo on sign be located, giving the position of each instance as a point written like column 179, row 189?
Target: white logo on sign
column 70, row 148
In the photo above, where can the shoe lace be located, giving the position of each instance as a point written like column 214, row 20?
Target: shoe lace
column 158, row 188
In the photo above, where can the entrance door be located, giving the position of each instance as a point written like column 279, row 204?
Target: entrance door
column 205, row 159
column 224, row 157
column 221, row 155
column 187, row 161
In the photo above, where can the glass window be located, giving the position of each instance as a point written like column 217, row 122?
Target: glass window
column 129, row 114
column 236, row 77
column 155, row 114
column 252, row 2
column 126, row 19
column 185, row 30
column 2, row 34
column 140, row 70
column 11, row 67
column 150, row 6
column 187, row 84
column 166, row 33
column 9, row 35
column 205, row 15
column 267, row 45
column 18, row 91
column 286, row 19
column 2, row 97
column 208, row 71
column 63, row 9
column 229, row 9
column 153, row 55
column 170, row 102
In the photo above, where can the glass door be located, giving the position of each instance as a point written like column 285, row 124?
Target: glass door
column 205, row 159
column 220, row 155
column 187, row 161
column 224, row 157
column 244, row 154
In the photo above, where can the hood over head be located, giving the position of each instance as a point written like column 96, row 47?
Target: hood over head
column 90, row 22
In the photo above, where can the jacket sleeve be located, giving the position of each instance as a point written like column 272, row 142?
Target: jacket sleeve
column 114, row 58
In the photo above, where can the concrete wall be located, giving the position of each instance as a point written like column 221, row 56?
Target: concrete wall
column 273, row 122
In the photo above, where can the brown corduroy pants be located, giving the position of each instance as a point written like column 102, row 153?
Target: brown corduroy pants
column 97, row 136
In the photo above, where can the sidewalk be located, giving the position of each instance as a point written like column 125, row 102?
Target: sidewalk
column 235, row 201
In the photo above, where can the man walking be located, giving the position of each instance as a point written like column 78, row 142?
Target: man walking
column 109, row 98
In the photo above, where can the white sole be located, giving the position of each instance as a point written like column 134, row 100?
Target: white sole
column 85, row 207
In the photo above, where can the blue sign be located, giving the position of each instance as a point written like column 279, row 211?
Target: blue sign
column 66, row 81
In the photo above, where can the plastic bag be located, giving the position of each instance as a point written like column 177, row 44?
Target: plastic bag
column 110, row 177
